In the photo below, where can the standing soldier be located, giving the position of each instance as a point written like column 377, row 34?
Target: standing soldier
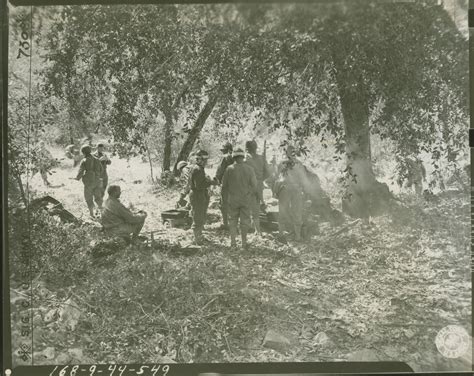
column 72, row 152
column 290, row 193
column 199, row 196
column 105, row 161
column 239, row 187
column 416, row 174
column 90, row 171
column 43, row 162
column 184, row 169
column 262, row 172
column 226, row 161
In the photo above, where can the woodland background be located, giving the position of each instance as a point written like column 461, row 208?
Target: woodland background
column 358, row 86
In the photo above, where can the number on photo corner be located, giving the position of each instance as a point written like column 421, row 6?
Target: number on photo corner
column 92, row 369
column 21, row 52
column 25, row 45
column 112, row 368
column 63, row 371
column 55, row 368
column 74, row 370
column 122, row 369
column 141, row 370
column 166, row 368
column 155, row 370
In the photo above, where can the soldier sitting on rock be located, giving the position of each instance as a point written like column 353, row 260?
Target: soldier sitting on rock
column 117, row 219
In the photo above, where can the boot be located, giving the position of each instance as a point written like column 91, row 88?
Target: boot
column 233, row 235
column 245, row 245
column 297, row 233
column 198, row 236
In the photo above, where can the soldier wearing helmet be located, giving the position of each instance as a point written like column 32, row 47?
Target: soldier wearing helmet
column 91, row 172
column 262, row 172
column 289, row 189
column 105, row 161
column 184, row 169
column 199, row 195
column 226, row 161
column 239, row 187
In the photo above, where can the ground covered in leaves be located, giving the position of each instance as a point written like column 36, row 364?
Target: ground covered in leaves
column 378, row 291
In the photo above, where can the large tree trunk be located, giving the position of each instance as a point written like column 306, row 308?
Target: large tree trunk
column 365, row 196
column 168, row 140
column 195, row 131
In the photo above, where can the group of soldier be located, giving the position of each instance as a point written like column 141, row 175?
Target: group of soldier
column 242, row 176
column 116, row 218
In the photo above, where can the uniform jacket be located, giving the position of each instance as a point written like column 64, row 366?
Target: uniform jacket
column 225, row 162
column 104, row 163
column 198, row 182
column 239, row 184
column 90, row 171
column 259, row 165
column 116, row 214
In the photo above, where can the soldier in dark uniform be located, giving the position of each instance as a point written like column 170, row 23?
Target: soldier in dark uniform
column 226, row 161
column 289, row 190
column 262, row 173
column 239, row 188
column 105, row 161
column 416, row 174
column 90, row 171
column 199, row 196
column 43, row 162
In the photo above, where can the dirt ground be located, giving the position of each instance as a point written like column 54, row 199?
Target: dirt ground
column 356, row 291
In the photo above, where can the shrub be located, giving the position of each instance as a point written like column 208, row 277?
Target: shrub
column 52, row 249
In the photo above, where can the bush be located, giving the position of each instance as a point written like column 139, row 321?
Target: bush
column 54, row 250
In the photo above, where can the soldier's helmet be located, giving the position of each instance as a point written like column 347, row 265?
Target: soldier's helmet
column 86, row 149
column 181, row 165
column 202, row 154
column 251, row 145
column 227, row 147
column 238, row 153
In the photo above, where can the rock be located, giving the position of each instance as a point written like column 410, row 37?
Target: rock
column 63, row 358
column 76, row 353
column 276, row 341
column 51, row 316
column 364, row 355
column 69, row 314
column 48, row 353
column 321, row 339
column 106, row 247
column 165, row 360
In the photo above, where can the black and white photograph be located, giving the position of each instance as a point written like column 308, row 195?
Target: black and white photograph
column 233, row 182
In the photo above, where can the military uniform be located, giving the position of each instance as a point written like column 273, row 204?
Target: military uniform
column 290, row 196
column 199, row 198
column 239, row 190
column 416, row 175
column 183, row 182
column 43, row 162
column 90, row 171
column 105, row 161
column 262, row 172
column 225, row 162
column 120, row 221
